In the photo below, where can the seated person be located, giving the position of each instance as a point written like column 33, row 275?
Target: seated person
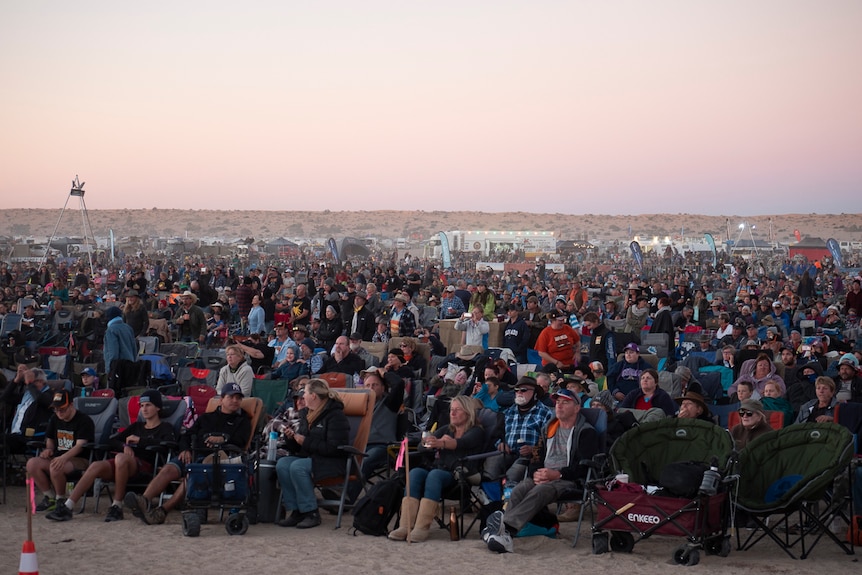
column 772, row 401
column 744, row 390
column 227, row 427
column 450, row 443
column 487, row 392
column 314, row 361
column 323, row 428
column 693, row 406
column 395, row 363
column 412, row 356
column 388, row 397
column 524, row 424
column 342, row 359
column 291, row 368
column 757, row 371
column 132, row 457
column 555, row 469
column 650, row 395
column 31, row 395
column 803, row 390
column 68, row 433
column 259, row 353
column 624, row 376
column 753, row 423
column 236, row 371
column 821, row 409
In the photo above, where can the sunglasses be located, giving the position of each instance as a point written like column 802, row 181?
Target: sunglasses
column 523, row 389
column 745, row 413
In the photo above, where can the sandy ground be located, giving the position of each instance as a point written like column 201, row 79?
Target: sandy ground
column 88, row 545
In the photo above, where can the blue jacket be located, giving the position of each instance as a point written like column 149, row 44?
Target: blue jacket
column 120, row 342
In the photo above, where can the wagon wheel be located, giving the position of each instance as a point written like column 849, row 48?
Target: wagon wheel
column 684, row 555
column 622, row 542
column 600, row 543
column 191, row 524
column 236, row 524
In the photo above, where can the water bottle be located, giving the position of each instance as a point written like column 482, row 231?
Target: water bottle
column 507, row 492
column 711, row 480
column 272, row 446
column 453, row 525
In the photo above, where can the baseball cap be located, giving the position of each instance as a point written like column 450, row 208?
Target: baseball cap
column 88, row 371
column 355, row 335
column 633, row 346
column 567, row 394
column 232, row 389
column 62, row 399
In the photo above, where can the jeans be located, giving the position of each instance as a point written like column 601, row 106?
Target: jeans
column 430, row 484
column 376, row 458
column 297, row 487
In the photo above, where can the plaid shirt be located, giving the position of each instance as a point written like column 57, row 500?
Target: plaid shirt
column 526, row 426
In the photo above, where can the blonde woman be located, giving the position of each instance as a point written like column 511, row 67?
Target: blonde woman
column 450, row 443
column 322, row 429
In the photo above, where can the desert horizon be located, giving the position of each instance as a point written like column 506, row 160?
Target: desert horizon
column 261, row 224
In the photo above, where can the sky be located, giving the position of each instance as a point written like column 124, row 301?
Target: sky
column 610, row 107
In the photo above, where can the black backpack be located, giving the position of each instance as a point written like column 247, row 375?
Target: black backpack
column 374, row 511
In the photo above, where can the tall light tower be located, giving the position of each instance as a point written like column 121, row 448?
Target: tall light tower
column 77, row 191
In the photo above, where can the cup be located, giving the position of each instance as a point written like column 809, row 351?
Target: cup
column 425, row 436
column 622, row 478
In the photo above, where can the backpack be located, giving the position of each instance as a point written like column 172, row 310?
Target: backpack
column 373, row 512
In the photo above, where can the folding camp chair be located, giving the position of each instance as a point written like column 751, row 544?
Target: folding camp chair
column 173, row 411
column 359, row 409
column 103, row 412
column 788, row 473
column 466, row 485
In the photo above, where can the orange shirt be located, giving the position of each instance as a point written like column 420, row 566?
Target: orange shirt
column 559, row 343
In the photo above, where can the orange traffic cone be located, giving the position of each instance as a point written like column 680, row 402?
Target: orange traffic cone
column 29, row 564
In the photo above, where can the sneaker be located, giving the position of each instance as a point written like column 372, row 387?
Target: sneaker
column 138, row 504
column 309, row 520
column 60, row 512
column 501, row 542
column 492, row 525
column 47, row 504
column 291, row 520
column 155, row 516
column 115, row 513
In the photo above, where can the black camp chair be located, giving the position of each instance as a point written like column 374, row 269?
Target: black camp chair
column 790, row 473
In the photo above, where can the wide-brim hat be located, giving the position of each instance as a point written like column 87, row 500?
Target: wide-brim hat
column 402, row 298
column 695, row 397
column 468, row 352
column 187, row 293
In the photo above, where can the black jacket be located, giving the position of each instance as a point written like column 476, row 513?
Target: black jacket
column 236, row 426
column 328, row 432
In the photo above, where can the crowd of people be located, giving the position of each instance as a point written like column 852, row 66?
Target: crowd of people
column 781, row 335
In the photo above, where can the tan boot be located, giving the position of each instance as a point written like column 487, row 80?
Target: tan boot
column 409, row 508
column 428, row 509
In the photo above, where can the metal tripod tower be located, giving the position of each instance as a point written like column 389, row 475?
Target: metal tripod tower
column 77, row 191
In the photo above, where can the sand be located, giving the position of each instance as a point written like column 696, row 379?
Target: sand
column 88, row 545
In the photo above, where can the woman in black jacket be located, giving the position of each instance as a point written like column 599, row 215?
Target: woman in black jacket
column 323, row 428
column 331, row 327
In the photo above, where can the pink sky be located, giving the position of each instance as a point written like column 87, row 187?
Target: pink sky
column 602, row 107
